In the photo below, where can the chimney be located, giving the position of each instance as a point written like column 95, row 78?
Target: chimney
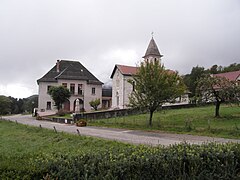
column 58, row 65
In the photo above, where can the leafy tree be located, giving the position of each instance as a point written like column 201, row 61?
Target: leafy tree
column 14, row 106
column 95, row 103
column 231, row 67
column 30, row 103
column 191, row 79
column 5, row 105
column 218, row 90
column 154, row 86
column 214, row 69
column 23, row 105
column 59, row 94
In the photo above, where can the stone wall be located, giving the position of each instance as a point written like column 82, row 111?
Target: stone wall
column 110, row 114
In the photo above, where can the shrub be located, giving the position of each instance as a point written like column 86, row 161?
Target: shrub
column 183, row 161
column 95, row 103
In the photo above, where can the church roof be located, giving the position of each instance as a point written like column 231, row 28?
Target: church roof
column 131, row 70
column 232, row 76
column 125, row 70
column 152, row 50
column 69, row 70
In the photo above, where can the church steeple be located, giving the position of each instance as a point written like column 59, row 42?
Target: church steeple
column 152, row 52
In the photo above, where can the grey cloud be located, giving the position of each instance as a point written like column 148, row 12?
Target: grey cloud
column 34, row 34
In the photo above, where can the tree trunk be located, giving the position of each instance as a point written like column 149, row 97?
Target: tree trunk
column 217, row 109
column 150, row 118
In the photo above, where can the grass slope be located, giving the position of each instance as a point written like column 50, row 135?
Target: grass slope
column 198, row 121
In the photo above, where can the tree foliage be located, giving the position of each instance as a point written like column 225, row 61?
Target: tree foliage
column 154, row 86
column 5, row 105
column 219, row 90
column 59, row 94
column 30, row 103
column 95, row 103
column 215, row 69
column 191, row 79
column 23, row 105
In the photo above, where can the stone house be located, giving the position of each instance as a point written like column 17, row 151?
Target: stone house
column 82, row 84
column 121, row 74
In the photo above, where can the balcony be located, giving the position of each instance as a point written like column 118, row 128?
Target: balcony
column 80, row 93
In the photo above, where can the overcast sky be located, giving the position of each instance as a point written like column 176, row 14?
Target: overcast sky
column 102, row 33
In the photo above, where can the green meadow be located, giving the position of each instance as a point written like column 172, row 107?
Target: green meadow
column 196, row 121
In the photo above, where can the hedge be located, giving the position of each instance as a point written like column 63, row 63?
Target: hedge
column 183, row 161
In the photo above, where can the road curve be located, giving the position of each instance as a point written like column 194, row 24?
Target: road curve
column 128, row 136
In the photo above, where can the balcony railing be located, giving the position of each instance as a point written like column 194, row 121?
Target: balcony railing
column 77, row 93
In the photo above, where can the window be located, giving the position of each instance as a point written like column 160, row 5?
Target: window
column 48, row 88
column 64, row 84
column 93, row 91
column 72, row 88
column 133, row 85
column 48, row 105
column 80, row 91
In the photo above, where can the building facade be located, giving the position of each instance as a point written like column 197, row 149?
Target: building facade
column 121, row 75
column 82, row 84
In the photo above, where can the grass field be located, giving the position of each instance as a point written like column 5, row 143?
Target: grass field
column 198, row 121
column 19, row 144
column 35, row 153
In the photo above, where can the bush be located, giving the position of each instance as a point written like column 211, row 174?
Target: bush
column 183, row 161
column 95, row 103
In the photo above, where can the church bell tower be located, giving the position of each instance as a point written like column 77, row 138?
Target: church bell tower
column 152, row 53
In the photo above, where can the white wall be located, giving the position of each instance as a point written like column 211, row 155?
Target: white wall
column 87, row 91
column 44, row 97
column 122, row 87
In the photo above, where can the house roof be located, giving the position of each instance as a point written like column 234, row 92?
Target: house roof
column 69, row 70
column 152, row 49
column 125, row 70
column 232, row 76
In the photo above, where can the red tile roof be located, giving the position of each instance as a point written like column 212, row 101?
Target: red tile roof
column 232, row 76
column 127, row 70
column 130, row 70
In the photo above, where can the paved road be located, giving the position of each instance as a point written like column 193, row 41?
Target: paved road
column 129, row 136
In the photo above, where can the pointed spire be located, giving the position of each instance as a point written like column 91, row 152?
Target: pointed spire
column 152, row 49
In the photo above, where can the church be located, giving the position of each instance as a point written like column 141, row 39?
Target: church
column 121, row 74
